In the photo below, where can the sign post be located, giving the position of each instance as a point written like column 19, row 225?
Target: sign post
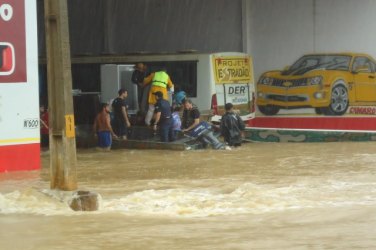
column 62, row 136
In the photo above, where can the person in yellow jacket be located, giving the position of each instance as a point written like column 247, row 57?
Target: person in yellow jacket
column 160, row 81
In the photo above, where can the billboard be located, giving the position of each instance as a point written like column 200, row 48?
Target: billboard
column 314, row 64
column 334, row 88
column 19, row 98
column 232, row 69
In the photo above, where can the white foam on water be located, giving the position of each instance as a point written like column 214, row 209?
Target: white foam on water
column 31, row 201
column 247, row 198
column 200, row 202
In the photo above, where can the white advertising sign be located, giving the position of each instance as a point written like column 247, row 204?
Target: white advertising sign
column 19, row 97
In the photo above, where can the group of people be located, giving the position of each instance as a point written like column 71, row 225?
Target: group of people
column 165, row 117
column 106, row 128
column 231, row 127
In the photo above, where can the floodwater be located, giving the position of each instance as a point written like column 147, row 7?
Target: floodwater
column 260, row 196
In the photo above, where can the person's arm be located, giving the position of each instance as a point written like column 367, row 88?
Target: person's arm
column 95, row 126
column 157, row 118
column 125, row 115
column 194, row 124
column 141, row 77
column 138, row 78
column 108, row 122
column 44, row 119
column 148, row 79
column 43, row 123
column 241, row 126
column 134, row 77
column 240, row 123
column 196, row 120
column 170, row 85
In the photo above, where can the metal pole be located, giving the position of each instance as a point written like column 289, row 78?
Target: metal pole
column 62, row 129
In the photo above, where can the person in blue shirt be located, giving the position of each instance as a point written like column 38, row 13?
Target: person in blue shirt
column 163, row 118
column 176, row 121
column 179, row 96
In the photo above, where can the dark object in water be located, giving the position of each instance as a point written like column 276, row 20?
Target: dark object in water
column 84, row 201
column 203, row 132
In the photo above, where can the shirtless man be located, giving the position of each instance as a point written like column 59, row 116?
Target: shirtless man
column 102, row 127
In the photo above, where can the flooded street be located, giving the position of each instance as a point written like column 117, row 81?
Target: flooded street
column 260, row 196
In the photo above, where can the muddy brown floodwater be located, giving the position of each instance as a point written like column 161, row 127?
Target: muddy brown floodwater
column 260, row 196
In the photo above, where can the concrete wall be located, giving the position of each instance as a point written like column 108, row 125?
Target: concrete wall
column 127, row 26
column 274, row 32
column 283, row 30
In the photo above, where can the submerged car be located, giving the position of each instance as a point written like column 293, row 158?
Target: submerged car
column 329, row 83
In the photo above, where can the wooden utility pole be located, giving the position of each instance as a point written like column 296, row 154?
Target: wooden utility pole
column 60, row 107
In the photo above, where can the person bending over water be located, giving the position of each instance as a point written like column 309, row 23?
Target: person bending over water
column 201, row 130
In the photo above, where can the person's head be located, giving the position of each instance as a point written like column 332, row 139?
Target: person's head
column 123, row 93
column 42, row 108
column 140, row 66
column 105, row 107
column 176, row 108
column 188, row 104
column 158, row 95
column 229, row 107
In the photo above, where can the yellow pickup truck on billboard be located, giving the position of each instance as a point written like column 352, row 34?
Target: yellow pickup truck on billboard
column 329, row 83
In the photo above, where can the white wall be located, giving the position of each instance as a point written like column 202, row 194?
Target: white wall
column 346, row 25
column 283, row 30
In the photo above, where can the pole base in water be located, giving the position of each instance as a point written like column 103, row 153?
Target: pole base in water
column 84, row 201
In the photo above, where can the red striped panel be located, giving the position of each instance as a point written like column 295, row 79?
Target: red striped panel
column 20, row 157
